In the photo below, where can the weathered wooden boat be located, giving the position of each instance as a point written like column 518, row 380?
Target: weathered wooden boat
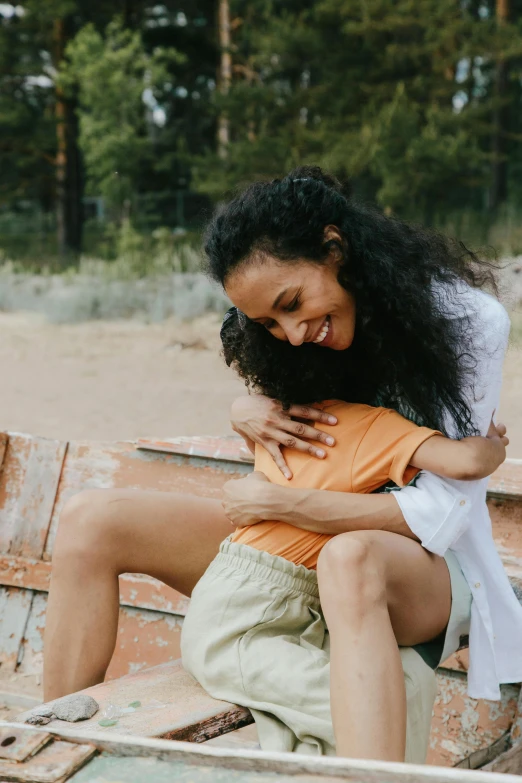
column 178, row 731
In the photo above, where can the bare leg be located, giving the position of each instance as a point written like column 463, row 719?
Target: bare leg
column 378, row 590
column 104, row 533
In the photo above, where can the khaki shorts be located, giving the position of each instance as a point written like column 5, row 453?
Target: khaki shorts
column 255, row 635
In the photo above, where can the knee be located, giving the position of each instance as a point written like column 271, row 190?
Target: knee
column 351, row 573
column 85, row 530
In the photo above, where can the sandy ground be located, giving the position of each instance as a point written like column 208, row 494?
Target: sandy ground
column 125, row 379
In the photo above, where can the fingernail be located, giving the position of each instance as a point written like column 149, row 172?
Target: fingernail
column 287, row 474
column 332, row 420
column 330, row 441
column 320, row 453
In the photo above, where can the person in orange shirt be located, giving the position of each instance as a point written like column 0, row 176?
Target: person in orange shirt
column 255, row 633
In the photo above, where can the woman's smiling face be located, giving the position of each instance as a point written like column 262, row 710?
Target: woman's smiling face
column 297, row 301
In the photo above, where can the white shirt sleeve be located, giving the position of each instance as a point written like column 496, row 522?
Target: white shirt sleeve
column 439, row 510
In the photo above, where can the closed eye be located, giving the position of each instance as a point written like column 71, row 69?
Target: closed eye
column 294, row 304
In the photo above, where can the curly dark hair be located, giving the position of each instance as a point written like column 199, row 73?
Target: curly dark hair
column 407, row 354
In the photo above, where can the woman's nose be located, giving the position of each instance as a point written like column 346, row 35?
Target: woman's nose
column 295, row 332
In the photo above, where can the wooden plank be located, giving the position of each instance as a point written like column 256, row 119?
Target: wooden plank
column 229, row 448
column 12, row 475
column 484, row 756
column 509, row 762
column 4, row 440
column 19, row 744
column 505, row 482
column 37, row 497
column 30, row 655
column 172, row 705
column 461, row 726
column 15, row 606
column 108, row 769
column 318, row 768
column 55, row 763
column 246, row 737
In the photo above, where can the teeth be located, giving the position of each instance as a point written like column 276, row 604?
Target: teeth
column 324, row 331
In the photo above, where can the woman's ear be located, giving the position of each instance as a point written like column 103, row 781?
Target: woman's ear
column 333, row 244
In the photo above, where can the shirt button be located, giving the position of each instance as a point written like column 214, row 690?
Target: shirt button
column 462, row 503
column 477, row 584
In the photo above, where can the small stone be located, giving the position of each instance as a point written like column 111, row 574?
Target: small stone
column 77, row 706
column 40, row 720
column 107, row 722
column 37, row 716
column 135, row 704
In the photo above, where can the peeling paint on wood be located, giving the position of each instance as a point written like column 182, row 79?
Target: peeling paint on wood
column 4, row 439
column 30, row 655
column 19, row 744
column 15, row 606
column 462, row 725
column 55, row 763
column 145, row 639
column 37, row 497
column 151, row 613
column 107, row 769
column 11, row 481
column 230, row 448
column 185, row 758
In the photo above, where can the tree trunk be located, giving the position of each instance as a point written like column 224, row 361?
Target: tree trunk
column 69, row 190
column 499, row 173
column 225, row 75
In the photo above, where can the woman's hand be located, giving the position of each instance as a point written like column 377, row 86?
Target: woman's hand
column 259, row 419
column 253, row 499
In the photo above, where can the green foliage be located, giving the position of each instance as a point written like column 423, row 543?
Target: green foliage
column 399, row 95
column 111, row 73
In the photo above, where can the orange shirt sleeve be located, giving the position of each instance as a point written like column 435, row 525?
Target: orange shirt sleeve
column 385, row 451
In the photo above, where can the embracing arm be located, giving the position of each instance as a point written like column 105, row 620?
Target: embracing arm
column 254, row 499
column 342, row 512
column 467, row 459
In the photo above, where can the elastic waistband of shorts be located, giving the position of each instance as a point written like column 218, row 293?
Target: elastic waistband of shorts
column 270, row 568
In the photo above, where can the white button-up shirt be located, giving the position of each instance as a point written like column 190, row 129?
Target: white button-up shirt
column 446, row 514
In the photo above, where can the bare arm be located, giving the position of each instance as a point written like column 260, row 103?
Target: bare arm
column 254, row 499
column 467, row 459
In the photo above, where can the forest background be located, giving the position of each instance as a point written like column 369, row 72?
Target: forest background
column 123, row 121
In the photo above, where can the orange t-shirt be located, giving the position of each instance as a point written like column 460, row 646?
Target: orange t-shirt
column 373, row 445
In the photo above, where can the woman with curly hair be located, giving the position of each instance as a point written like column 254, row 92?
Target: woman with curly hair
column 335, row 300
